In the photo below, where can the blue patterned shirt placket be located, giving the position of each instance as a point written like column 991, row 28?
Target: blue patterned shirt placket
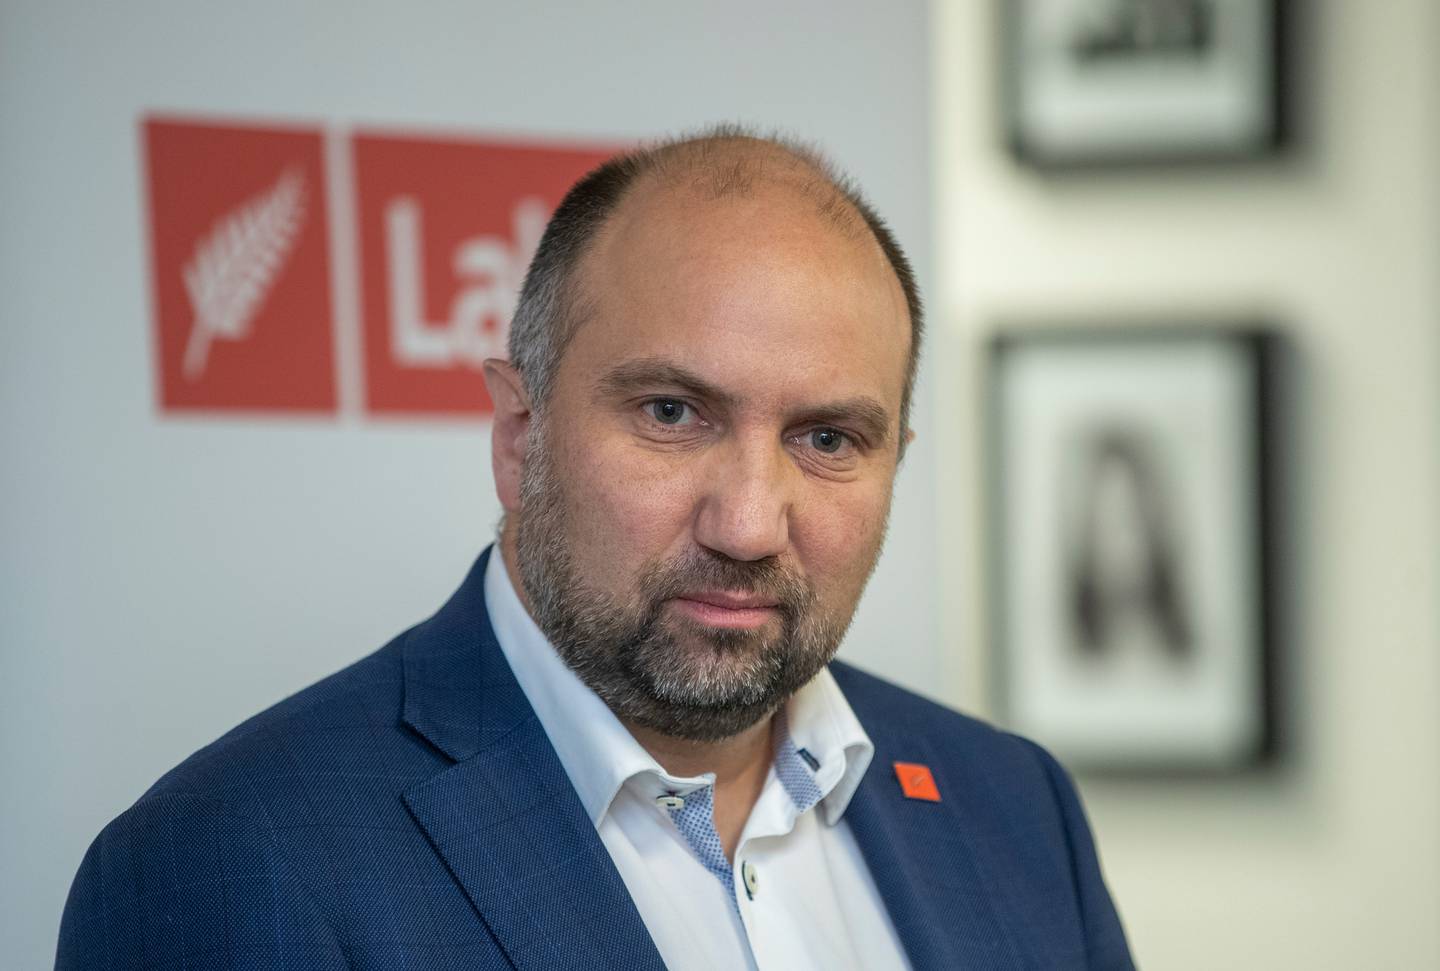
column 695, row 818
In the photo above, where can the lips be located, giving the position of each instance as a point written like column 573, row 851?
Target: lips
column 730, row 601
column 718, row 608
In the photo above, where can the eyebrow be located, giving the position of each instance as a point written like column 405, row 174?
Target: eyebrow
column 631, row 376
column 866, row 412
column 649, row 372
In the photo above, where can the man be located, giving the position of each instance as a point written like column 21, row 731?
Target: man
column 619, row 744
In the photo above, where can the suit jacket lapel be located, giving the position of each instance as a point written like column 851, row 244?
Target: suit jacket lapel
column 921, row 857
column 505, row 817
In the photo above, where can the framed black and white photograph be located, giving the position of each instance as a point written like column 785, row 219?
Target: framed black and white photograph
column 1095, row 82
column 1128, row 556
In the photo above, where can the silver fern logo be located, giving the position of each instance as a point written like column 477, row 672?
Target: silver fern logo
column 236, row 264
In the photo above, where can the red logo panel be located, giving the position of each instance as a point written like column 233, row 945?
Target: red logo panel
column 240, row 264
column 447, row 229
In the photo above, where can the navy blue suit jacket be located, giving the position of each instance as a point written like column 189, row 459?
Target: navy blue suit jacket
column 409, row 812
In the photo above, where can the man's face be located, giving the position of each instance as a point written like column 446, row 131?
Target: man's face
column 705, row 493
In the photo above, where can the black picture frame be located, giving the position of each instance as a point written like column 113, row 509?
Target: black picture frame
column 1129, row 501
column 1091, row 84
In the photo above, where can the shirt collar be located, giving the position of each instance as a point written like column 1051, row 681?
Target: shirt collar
column 599, row 753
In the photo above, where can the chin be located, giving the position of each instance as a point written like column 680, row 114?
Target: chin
column 702, row 723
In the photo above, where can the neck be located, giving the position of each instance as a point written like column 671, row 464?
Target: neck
column 730, row 758
column 741, row 764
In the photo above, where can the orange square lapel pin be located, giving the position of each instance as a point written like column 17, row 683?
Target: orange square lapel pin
column 916, row 782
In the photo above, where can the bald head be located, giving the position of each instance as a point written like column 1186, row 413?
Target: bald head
column 725, row 163
column 734, row 166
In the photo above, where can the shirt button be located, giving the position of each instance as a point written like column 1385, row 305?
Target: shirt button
column 751, row 878
column 670, row 801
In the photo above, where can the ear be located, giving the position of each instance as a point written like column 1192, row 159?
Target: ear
column 511, row 430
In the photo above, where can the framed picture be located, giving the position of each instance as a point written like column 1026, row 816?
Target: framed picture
column 1128, row 546
column 1094, row 82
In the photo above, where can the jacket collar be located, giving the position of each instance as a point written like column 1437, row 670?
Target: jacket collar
column 459, row 692
column 504, row 817
column 937, row 884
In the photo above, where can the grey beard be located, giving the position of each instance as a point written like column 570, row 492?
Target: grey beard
column 710, row 686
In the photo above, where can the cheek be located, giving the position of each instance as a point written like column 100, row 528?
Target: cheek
column 629, row 507
column 837, row 535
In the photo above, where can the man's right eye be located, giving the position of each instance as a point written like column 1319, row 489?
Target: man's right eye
column 668, row 411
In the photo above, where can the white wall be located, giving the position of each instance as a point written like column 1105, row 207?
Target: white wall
column 163, row 578
column 1333, row 861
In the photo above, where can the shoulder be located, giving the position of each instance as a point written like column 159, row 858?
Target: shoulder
column 219, row 841
column 312, row 728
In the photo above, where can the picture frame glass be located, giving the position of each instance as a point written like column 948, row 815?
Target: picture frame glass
column 1118, row 80
column 1127, row 480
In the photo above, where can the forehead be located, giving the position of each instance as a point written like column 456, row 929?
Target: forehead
column 760, row 291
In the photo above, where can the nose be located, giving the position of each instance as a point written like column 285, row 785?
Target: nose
column 745, row 501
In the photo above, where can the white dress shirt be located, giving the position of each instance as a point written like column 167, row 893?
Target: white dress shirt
column 800, row 895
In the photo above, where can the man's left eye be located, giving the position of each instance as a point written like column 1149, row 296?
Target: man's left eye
column 828, row 440
column 668, row 411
